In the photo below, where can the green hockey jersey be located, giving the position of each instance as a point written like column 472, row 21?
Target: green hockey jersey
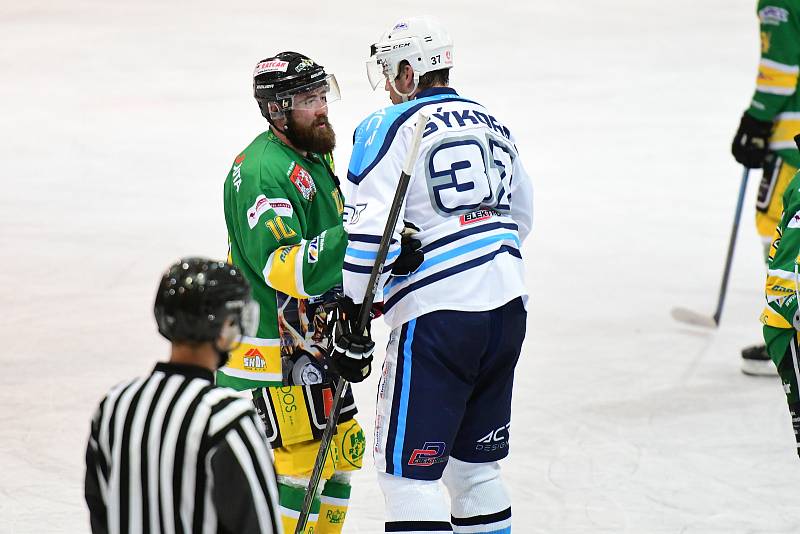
column 783, row 276
column 283, row 212
column 776, row 97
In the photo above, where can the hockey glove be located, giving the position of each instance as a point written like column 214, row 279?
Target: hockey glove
column 410, row 258
column 352, row 351
column 751, row 141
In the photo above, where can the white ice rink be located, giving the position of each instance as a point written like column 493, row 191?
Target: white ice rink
column 118, row 124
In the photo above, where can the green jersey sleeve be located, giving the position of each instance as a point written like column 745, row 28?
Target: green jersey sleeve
column 783, row 277
column 273, row 244
column 779, row 65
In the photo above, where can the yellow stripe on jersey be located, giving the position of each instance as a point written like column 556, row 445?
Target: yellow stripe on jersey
column 284, row 271
column 779, row 286
column 770, row 317
column 776, row 78
column 787, row 125
column 256, row 359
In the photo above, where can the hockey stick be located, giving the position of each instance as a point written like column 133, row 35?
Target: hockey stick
column 363, row 318
column 685, row 315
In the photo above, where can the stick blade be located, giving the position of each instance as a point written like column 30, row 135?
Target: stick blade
column 693, row 318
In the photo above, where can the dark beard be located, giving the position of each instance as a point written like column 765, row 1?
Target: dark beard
column 311, row 139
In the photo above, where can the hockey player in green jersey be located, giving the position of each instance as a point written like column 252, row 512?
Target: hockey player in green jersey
column 283, row 211
column 765, row 135
column 781, row 316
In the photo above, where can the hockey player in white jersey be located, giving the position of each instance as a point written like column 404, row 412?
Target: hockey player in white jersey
column 458, row 320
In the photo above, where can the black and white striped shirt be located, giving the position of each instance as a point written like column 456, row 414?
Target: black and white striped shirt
column 171, row 453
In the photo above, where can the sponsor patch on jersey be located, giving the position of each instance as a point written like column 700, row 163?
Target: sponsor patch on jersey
column 773, row 15
column 794, row 222
column 476, row 216
column 239, row 159
column 314, row 249
column 280, row 206
column 253, row 360
column 303, row 181
column 236, row 175
column 353, row 213
column 255, row 211
column 270, row 66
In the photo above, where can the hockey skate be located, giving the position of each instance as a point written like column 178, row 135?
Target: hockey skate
column 756, row 361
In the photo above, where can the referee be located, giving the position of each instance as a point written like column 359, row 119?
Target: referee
column 171, row 452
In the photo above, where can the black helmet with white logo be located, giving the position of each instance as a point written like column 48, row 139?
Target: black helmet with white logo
column 288, row 80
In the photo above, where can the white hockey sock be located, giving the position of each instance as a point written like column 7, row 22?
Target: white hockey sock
column 479, row 502
column 414, row 506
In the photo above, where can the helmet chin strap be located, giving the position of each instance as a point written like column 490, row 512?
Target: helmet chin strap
column 403, row 95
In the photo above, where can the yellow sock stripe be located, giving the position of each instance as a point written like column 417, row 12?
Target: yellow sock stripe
column 282, row 269
column 331, row 518
column 776, row 78
column 289, row 521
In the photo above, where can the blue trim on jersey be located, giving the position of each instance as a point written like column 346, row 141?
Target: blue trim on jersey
column 459, row 251
column 397, row 453
column 360, row 269
column 431, row 91
column 368, row 255
column 365, row 269
column 433, row 245
column 380, row 129
column 506, row 530
column 366, row 238
column 449, row 272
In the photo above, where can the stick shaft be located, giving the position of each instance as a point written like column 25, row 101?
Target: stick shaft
column 723, row 288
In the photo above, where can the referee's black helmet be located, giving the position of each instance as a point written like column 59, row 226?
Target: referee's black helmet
column 197, row 296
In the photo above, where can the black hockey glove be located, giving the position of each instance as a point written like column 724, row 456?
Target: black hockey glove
column 751, row 142
column 352, row 351
column 410, row 258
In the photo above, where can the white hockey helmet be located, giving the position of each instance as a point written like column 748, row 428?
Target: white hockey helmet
column 422, row 41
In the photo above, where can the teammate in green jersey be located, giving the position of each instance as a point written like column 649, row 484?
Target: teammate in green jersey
column 765, row 136
column 283, row 211
column 781, row 317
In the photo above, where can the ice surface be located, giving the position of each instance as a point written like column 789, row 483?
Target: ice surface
column 119, row 121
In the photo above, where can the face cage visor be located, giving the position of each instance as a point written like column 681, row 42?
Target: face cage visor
column 309, row 97
column 378, row 71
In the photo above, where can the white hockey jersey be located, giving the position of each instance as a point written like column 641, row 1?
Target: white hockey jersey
column 469, row 199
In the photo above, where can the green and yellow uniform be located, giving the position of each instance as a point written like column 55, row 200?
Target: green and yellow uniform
column 782, row 289
column 777, row 100
column 283, row 213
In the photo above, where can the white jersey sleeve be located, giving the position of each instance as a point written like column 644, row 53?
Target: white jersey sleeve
column 366, row 212
column 522, row 200
column 469, row 200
